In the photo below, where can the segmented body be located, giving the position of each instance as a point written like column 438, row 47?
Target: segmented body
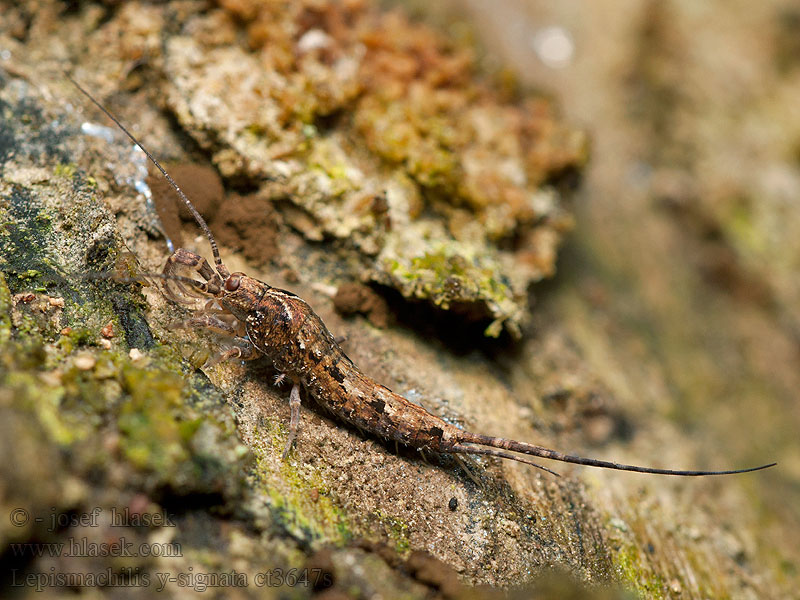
column 285, row 329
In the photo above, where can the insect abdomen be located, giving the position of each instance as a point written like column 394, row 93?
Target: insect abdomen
column 357, row 399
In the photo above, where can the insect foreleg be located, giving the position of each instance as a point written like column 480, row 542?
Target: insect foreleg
column 212, row 322
column 242, row 350
column 184, row 258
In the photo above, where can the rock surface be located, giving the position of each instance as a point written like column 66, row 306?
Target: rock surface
column 639, row 351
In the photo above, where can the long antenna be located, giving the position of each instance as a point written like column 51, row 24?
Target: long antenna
column 223, row 271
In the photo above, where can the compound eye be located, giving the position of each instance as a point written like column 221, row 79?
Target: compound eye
column 232, row 283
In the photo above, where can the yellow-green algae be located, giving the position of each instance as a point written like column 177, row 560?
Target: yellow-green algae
column 632, row 571
column 67, row 171
column 147, row 407
column 298, row 497
column 397, row 530
column 5, row 311
column 446, row 277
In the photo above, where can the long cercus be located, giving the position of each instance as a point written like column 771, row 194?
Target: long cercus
column 263, row 321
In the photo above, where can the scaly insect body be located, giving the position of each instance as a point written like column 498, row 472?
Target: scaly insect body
column 264, row 321
column 283, row 327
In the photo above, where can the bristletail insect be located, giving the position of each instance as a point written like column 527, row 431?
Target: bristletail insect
column 264, row 321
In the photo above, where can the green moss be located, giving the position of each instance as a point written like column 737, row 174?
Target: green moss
column 153, row 436
column 5, row 311
column 327, row 157
column 631, row 570
column 397, row 530
column 44, row 401
column 23, row 356
column 27, row 244
column 78, row 336
column 145, row 408
column 432, row 275
column 397, row 135
column 445, row 277
column 433, row 166
column 299, row 498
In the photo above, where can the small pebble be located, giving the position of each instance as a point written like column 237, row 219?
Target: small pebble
column 313, row 39
column 58, row 302
column 105, row 344
column 84, row 362
column 453, row 504
column 136, row 354
column 108, row 330
column 66, row 331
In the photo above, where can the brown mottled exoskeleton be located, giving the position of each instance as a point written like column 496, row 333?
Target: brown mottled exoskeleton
column 276, row 324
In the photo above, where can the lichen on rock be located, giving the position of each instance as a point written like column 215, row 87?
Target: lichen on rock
column 383, row 133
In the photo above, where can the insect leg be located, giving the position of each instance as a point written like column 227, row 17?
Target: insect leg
column 243, row 350
column 211, row 322
column 466, row 470
column 294, row 423
column 184, row 258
